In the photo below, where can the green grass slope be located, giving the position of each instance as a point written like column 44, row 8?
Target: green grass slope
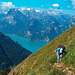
column 42, row 62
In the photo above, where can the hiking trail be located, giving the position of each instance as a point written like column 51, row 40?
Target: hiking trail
column 68, row 70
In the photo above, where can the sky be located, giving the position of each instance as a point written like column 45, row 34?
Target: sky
column 66, row 6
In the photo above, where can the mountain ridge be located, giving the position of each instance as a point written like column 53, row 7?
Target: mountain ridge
column 11, row 53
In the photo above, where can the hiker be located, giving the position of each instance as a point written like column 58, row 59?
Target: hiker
column 60, row 51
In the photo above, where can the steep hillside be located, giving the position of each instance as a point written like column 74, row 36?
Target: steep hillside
column 11, row 53
column 42, row 62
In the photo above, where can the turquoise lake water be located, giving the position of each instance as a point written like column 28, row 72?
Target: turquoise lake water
column 30, row 45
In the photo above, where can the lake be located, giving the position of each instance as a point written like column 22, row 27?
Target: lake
column 33, row 46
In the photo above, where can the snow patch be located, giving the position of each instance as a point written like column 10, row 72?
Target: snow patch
column 37, row 10
column 29, row 33
column 10, row 20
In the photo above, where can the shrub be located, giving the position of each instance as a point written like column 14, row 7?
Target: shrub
column 6, row 71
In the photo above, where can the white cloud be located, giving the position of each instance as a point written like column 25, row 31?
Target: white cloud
column 55, row 5
column 7, row 5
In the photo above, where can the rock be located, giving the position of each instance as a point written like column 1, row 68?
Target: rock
column 70, row 73
column 63, row 71
column 59, row 65
column 66, row 69
column 71, row 68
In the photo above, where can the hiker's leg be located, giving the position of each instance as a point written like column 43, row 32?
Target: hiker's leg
column 58, row 58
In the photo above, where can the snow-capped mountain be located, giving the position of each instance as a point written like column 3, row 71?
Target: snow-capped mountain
column 32, row 24
column 32, row 13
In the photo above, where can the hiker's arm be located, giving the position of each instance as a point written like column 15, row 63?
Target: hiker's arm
column 64, row 52
column 55, row 51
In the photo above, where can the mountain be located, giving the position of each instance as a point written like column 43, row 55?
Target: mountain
column 62, row 18
column 50, row 29
column 31, row 13
column 37, row 14
column 70, row 23
column 17, row 23
column 11, row 53
column 43, row 62
column 33, row 24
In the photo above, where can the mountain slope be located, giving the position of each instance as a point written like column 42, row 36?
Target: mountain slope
column 41, row 63
column 62, row 18
column 69, row 24
column 11, row 53
column 4, row 60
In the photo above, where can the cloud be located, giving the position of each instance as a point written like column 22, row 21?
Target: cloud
column 5, row 5
column 55, row 5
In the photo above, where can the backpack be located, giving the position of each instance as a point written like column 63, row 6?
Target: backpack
column 63, row 47
column 61, row 50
